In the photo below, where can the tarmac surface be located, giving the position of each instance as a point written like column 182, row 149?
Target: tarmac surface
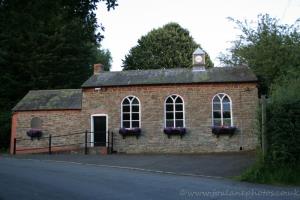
column 213, row 164
column 63, row 178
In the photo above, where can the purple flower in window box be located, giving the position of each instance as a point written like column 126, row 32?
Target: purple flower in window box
column 222, row 130
column 35, row 133
column 130, row 132
column 175, row 131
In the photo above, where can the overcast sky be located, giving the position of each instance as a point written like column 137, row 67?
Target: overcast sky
column 206, row 20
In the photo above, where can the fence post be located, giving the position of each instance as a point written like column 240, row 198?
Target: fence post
column 50, row 144
column 263, row 124
column 112, row 142
column 85, row 142
column 108, row 143
column 15, row 146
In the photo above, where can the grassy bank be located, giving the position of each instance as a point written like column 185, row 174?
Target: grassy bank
column 262, row 172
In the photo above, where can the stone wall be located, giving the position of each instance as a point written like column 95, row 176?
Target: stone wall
column 56, row 123
column 198, row 116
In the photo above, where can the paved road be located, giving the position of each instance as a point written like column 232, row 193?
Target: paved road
column 213, row 164
column 40, row 179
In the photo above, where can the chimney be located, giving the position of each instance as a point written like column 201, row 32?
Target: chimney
column 98, row 68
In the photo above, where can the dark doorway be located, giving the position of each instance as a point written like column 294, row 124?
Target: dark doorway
column 99, row 130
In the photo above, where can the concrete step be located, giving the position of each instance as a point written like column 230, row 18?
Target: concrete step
column 97, row 150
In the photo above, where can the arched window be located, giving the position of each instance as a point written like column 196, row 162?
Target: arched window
column 174, row 111
column 221, row 110
column 130, row 116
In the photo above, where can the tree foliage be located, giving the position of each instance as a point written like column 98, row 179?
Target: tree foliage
column 270, row 49
column 46, row 45
column 102, row 56
column 170, row 46
column 283, row 125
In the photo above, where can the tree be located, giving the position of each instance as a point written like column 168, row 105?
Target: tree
column 46, row 45
column 102, row 56
column 270, row 49
column 170, row 46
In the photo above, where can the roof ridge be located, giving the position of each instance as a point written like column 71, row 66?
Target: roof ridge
column 142, row 70
column 172, row 69
column 54, row 90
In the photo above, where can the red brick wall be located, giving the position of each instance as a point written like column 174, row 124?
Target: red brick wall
column 55, row 122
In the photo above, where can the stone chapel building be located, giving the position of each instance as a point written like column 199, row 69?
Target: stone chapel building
column 162, row 111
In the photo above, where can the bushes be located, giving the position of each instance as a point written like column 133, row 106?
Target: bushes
column 283, row 133
column 281, row 164
column 283, row 124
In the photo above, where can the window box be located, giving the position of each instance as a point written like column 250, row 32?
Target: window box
column 35, row 133
column 223, row 130
column 174, row 131
column 130, row 132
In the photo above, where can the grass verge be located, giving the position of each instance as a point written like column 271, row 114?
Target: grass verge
column 262, row 172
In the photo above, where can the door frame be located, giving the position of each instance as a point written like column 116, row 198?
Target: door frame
column 92, row 127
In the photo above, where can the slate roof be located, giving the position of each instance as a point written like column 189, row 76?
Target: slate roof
column 198, row 51
column 50, row 100
column 171, row 76
column 69, row 99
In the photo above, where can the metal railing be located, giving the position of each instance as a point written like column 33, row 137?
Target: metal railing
column 82, row 138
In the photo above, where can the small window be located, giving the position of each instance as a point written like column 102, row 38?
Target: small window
column 221, row 110
column 36, row 123
column 130, row 115
column 174, row 111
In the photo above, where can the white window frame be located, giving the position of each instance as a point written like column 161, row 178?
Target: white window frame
column 130, row 110
column 174, row 109
column 221, row 102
